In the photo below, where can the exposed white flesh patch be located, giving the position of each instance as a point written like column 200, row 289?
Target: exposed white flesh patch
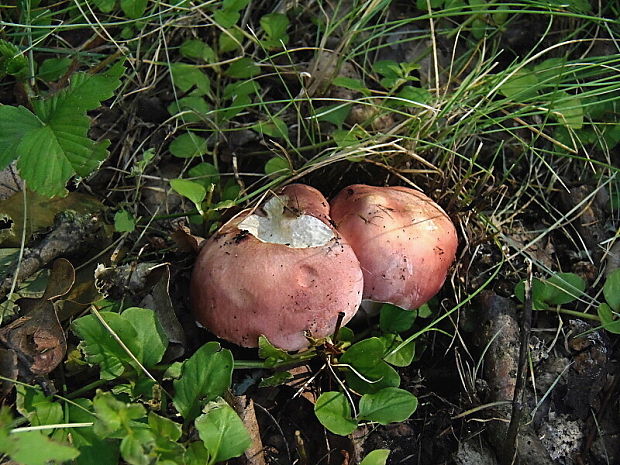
column 280, row 227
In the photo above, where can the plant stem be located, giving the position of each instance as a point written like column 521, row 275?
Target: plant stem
column 89, row 387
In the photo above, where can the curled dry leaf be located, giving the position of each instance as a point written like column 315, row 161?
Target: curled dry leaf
column 37, row 338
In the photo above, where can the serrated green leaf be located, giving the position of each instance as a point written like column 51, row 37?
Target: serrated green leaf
column 376, row 457
column 60, row 136
column 393, row 319
column 15, row 124
column 134, row 9
column 124, row 221
column 334, row 412
column 611, row 290
column 389, row 405
column 205, row 376
column 222, row 432
column 53, row 68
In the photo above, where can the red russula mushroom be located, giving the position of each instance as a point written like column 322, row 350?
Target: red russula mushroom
column 280, row 271
column 404, row 241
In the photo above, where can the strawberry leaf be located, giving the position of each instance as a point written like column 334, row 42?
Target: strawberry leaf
column 52, row 144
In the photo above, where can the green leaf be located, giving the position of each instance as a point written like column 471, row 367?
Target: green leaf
column 538, row 294
column 53, row 69
column 226, row 18
column 186, row 77
column 105, row 6
column 567, row 109
column 376, row 457
column 206, row 174
column 410, row 96
column 334, row 412
column 609, row 320
column 393, row 319
column 101, row 348
column 277, row 166
column 274, row 127
column 12, row 61
column 34, row 448
column 205, row 376
column 230, row 39
column 37, row 407
column 194, row 191
column 335, row 114
column 222, row 432
column 563, row 288
column 114, row 417
column 276, row 379
column 150, row 335
column 521, row 86
column 370, row 373
column 389, row 405
column 134, row 9
column 197, row 50
column 188, row 145
column 611, row 290
column 194, row 107
column 196, row 454
column 351, row 83
column 136, row 327
column 15, row 124
column 243, row 68
column 403, row 356
column 270, row 353
column 58, row 133
column 275, row 25
column 124, row 221
column 93, row 449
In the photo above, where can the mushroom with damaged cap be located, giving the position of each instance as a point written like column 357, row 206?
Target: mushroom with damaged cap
column 280, row 271
column 404, row 241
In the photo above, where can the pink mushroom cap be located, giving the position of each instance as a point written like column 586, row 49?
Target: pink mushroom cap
column 404, row 241
column 245, row 284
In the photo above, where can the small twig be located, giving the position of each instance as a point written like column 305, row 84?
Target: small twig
column 510, row 449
